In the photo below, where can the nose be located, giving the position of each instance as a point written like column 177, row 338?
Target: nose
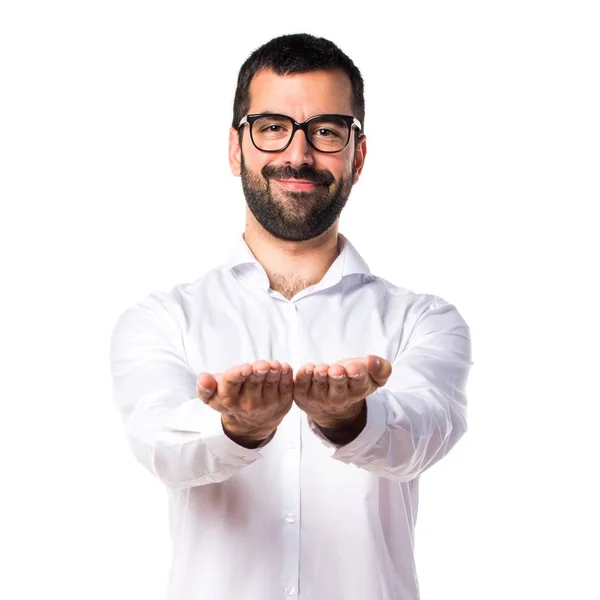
column 299, row 152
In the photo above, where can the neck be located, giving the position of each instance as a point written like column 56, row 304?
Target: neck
column 292, row 266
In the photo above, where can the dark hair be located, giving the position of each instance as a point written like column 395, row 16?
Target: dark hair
column 297, row 53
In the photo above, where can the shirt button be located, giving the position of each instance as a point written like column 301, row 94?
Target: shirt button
column 290, row 517
column 289, row 590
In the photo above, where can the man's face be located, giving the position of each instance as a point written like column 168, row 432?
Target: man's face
column 299, row 193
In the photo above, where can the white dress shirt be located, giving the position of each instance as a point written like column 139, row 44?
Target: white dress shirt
column 298, row 517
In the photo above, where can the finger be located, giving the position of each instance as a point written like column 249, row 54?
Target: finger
column 338, row 383
column 271, row 382
column 233, row 379
column 319, row 382
column 303, row 379
column 286, row 384
column 236, row 375
column 253, row 387
column 274, row 372
column 358, row 380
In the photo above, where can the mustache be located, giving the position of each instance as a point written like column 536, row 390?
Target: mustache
column 305, row 172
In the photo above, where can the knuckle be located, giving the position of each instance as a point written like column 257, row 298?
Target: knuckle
column 228, row 401
column 253, row 385
column 248, row 400
column 231, row 387
column 272, row 396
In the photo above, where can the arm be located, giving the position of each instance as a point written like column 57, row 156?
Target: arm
column 175, row 435
column 420, row 414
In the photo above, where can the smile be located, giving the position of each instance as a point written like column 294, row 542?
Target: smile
column 297, row 185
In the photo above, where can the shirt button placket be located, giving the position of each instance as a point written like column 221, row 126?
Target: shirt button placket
column 291, row 508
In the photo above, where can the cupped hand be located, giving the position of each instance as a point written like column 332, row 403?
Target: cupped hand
column 252, row 398
column 332, row 395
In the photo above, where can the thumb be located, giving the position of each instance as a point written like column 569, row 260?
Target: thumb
column 206, row 385
column 379, row 369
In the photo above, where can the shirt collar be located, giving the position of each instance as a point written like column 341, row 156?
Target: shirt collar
column 348, row 262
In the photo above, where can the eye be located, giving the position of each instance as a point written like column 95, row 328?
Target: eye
column 272, row 128
column 329, row 129
column 323, row 132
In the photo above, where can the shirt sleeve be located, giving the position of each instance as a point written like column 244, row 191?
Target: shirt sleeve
column 175, row 435
column 421, row 412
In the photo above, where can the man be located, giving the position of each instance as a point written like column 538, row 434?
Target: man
column 289, row 399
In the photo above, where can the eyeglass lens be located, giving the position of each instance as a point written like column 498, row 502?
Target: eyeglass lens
column 274, row 132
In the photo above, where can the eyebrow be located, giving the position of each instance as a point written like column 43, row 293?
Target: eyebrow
column 274, row 112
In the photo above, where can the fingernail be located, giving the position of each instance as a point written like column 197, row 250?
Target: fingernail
column 273, row 371
column 203, row 389
column 357, row 375
column 338, row 376
column 246, row 372
column 262, row 371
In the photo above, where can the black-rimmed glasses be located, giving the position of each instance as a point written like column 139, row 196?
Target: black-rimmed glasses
column 325, row 133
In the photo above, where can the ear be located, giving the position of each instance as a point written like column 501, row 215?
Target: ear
column 359, row 157
column 235, row 152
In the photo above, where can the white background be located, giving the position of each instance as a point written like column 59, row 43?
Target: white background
column 480, row 186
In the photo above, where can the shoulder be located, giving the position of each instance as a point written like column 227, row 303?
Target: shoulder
column 416, row 306
column 168, row 309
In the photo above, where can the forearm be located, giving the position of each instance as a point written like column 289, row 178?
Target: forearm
column 175, row 435
column 187, row 446
column 405, row 434
column 420, row 414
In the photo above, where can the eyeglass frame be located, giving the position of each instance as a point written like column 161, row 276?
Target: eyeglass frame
column 352, row 122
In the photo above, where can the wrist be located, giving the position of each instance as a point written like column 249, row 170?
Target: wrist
column 344, row 431
column 250, row 440
column 341, row 422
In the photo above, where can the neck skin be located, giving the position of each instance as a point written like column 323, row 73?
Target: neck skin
column 285, row 261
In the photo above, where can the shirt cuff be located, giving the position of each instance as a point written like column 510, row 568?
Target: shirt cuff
column 372, row 432
column 193, row 416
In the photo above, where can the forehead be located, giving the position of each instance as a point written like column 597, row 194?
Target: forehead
column 301, row 95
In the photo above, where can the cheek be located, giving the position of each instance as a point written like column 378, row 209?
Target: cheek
column 331, row 164
column 253, row 159
column 345, row 160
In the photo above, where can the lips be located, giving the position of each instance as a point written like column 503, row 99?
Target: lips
column 297, row 185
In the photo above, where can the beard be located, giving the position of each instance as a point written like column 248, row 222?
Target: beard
column 291, row 215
